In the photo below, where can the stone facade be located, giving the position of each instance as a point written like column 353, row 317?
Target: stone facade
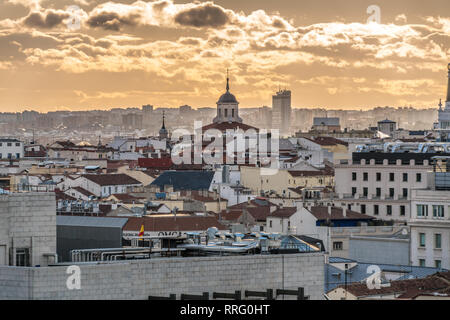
column 28, row 221
column 138, row 279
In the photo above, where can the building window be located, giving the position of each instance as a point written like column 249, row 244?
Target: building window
column 337, row 245
column 438, row 264
column 378, row 176
column 391, row 192
column 365, row 192
column 378, row 190
column 422, row 210
column 438, row 211
column 422, row 240
column 363, row 208
column 353, row 176
column 405, row 177
column 418, row 177
column 365, row 176
column 353, row 191
column 389, row 210
column 376, row 210
column 402, row 210
column 17, row 144
column 270, row 223
column 437, row 241
column 9, row 144
column 23, row 257
column 391, row 176
column 422, row 262
column 405, row 192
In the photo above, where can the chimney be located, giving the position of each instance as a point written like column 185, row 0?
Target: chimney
column 329, row 210
column 344, row 212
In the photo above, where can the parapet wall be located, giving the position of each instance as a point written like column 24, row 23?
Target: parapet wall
column 137, row 279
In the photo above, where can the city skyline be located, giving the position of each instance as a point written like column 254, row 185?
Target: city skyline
column 172, row 53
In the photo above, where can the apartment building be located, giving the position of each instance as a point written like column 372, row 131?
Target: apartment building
column 430, row 222
column 11, row 149
column 380, row 184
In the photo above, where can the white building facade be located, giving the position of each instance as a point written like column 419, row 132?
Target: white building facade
column 11, row 149
column 380, row 187
column 430, row 228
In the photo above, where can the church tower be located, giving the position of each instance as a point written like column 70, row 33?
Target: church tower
column 227, row 107
column 163, row 133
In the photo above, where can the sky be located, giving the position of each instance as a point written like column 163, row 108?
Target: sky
column 88, row 54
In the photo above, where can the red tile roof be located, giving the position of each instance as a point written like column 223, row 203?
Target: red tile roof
column 284, row 212
column 410, row 288
column 111, row 179
column 328, row 141
column 155, row 163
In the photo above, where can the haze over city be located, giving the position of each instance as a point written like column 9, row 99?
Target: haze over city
column 170, row 53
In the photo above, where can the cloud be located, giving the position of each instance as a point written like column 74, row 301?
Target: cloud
column 112, row 20
column 401, row 18
column 47, row 20
column 205, row 15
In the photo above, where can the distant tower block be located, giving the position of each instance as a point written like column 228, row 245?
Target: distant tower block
column 281, row 111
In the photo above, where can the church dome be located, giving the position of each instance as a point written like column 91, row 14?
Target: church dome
column 227, row 97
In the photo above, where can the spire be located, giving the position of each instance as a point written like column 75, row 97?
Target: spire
column 448, row 84
column 228, row 79
column 163, row 125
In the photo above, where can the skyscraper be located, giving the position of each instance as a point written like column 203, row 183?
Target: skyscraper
column 281, row 111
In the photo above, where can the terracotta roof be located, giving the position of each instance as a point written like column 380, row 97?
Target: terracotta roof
column 156, row 163
column 62, row 196
column 199, row 196
column 233, row 215
column 83, row 191
column 111, row 179
column 66, row 143
column 328, row 141
column 180, row 223
column 407, row 289
column 284, row 212
column 114, row 164
column 321, row 213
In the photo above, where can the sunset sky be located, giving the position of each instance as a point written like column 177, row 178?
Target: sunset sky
column 169, row 53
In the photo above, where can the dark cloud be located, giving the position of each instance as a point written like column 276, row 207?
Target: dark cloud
column 112, row 21
column 278, row 23
column 208, row 15
column 46, row 20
